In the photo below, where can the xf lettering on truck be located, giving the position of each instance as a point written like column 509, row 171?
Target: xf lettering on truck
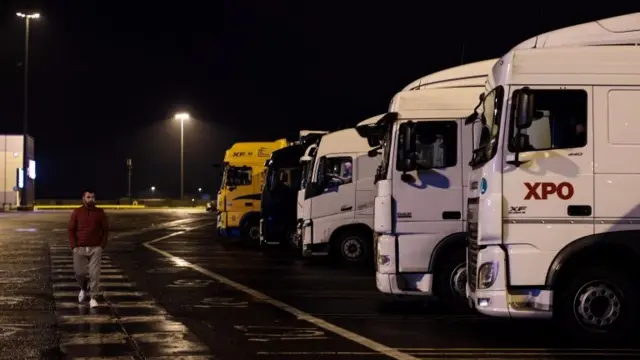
column 542, row 190
column 242, row 153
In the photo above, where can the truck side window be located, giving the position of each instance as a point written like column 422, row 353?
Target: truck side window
column 560, row 120
column 337, row 171
column 436, row 144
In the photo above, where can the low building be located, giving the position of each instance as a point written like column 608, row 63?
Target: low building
column 12, row 179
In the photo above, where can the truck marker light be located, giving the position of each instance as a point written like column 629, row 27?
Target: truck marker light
column 564, row 190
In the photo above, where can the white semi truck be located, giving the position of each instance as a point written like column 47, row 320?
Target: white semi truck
column 336, row 217
column 419, row 225
column 554, row 207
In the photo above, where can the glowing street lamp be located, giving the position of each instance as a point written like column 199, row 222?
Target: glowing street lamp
column 153, row 188
column 25, row 129
column 182, row 117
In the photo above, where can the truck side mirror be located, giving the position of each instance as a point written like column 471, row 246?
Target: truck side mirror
column 520, row 142
column 373, row 141
column 524, row 108
column 408, row 147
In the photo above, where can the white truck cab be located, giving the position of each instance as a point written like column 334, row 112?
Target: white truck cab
column 554, row 207
column 337, row 213
column 420, row 238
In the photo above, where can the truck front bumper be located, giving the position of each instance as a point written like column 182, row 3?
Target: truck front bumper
column 490, row 295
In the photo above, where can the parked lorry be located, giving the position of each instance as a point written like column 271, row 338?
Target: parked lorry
column 420, row 240
column 337, row 213
column 238, row 203
column 553, row 207
column 278, row 217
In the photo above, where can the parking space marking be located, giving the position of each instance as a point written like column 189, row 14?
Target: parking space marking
column 105, row 330
column 301, row 315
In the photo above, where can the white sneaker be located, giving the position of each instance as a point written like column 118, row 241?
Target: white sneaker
column 93, row 303
column 82, row 296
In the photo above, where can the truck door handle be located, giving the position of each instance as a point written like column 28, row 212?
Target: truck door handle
column 346, row 208
column 579, row 210
column 451, row 215
column 248, row 204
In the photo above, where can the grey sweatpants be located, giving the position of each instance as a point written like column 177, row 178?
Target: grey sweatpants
column 86, row 265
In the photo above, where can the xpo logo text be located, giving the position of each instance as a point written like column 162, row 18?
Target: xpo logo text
column 543, row 190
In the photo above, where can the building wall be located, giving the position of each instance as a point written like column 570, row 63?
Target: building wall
column 11, row 159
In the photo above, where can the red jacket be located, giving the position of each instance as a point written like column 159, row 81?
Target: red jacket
column 88, row 227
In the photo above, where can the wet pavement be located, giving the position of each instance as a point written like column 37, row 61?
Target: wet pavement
column 174, row 290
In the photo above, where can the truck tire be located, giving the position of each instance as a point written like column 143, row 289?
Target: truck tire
column 450, row 278
column 598, row 304
column 250, row 231
column 352, row 247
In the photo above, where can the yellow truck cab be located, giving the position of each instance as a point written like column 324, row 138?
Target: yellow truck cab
column 238, row 203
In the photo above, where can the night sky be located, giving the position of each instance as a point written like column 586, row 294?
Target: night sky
column 105, row 79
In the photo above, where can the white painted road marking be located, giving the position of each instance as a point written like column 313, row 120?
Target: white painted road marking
column 373, row 345
column 69, row 270
column 62, row 294
column 103, row 284
column 72, row 278
column 66, row 294
column 67, row 339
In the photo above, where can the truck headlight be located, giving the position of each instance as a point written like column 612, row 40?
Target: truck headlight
column 487, row 274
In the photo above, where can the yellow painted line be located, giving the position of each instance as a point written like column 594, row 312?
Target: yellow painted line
column 301, row 315
column 106, row 206
column 116, row 207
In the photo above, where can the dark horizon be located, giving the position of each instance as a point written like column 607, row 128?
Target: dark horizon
column 105, row 82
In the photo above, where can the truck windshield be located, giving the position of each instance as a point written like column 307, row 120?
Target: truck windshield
column 487, row 131
column 270, row 178
column 281, row 177
column 237, row 176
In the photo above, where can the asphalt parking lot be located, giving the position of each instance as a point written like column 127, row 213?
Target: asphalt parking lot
column 174, row 290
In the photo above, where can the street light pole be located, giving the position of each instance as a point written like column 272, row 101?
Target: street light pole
column 181, row 159
column 129, row 178
column 182, row 117
column 25, row 113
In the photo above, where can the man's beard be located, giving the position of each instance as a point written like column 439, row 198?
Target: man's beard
column 89, row 204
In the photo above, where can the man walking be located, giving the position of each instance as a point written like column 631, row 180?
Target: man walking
column 88, row 231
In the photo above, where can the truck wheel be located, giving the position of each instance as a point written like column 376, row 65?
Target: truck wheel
column 598, row 304
column 353, row 247
column 251, row 231
column 451, row 279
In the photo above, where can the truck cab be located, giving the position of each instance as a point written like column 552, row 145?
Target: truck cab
column 337, row 213
column 238, row 204
column 553, row 204
column 419, row 224
column 278, row 217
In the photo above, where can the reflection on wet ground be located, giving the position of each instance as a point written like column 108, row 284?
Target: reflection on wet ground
column 128, row 322
column 197, row 296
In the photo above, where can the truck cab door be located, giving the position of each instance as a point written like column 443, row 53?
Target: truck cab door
column 548, row 192
column 334, row 205
column 243, row 192
column 429, row 206
column 365, row 188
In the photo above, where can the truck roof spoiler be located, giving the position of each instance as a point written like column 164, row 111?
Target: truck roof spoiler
column 617, row 30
